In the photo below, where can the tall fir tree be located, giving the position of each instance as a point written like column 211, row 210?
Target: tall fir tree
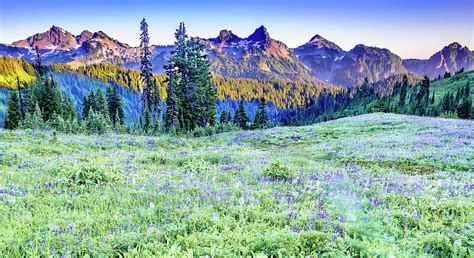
column 464, row 108
column 115, row 106
column 261, row 117
column 173, row 105
column 240, row 117
column 13, row 118
column 191, row 94
column 403, row 92
column 102, row 106
column 225, row 117
column 38, row 65
column 21, row 98
column 145, row 67
column 69, row 111
column 147, row 124
column 86, row 106
column 204, row 91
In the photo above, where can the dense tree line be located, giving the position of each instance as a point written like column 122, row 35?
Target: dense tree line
column 41, row 104
column 458, row 104
column 127, row 78
column 418, row 99
column 283, row 94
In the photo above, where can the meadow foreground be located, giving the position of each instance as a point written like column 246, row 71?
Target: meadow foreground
column 367, row 185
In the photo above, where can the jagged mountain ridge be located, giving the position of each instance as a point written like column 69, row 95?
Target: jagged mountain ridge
column 449, row 59
column 257, row 56
column 331, row 63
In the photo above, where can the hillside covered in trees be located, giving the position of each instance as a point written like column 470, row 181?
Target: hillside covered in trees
column 283, row 94
column 14, row 72
column 450, row 96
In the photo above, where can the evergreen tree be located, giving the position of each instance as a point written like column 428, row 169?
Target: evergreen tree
column 115, row 106
column 13, row 118
column 191, row 94
column 147, row 125
column 403, row 92
column 241, row 118
column 49, row 99
column 21, row 98
column 92, row 101
column 467, row 90
column 203, row 90
column 225, row 117
column 85, row 107
column 156, row 99
column 459, row 92
column 464, row 108
column 69, row 111
column 35, row 120
column 261, row 117
column 38, row 66
column 173, row 106
column 96, row 123
column 145, row 68
column 422, row 97
column 102, row 106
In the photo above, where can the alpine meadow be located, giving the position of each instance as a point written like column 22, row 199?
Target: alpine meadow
column 266, row 145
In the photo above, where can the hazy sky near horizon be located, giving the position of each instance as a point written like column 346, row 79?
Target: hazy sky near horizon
column 409, row 28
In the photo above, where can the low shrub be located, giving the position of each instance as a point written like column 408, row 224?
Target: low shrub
column 278, row 171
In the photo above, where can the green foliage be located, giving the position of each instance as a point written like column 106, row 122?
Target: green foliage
column 96, row 123
column 115, row 107
column 278, row 171
column 13, row 119
column 127, row 78
column 261, row 117
column 224, row 117
column 241, row 118
column 444, row 97
column 283, row 94
column 84, row 175
column 213, row 129
column 191, row 95
column 104, row 113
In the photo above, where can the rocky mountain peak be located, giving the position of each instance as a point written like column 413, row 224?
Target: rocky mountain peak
column 54, row 38
column 455, row 45
column 260, row 34
column 320, row 42
column 84, row 36
column 226, row 36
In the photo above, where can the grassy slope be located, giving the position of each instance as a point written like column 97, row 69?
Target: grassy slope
column 372, row 184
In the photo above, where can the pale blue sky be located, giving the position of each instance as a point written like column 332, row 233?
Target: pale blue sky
column 409, row 28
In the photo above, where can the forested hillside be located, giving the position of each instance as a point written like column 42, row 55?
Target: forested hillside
column 292, row 103
column 15, row 72
column 448, row 97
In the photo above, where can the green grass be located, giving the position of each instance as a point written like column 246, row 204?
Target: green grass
column 372, row 185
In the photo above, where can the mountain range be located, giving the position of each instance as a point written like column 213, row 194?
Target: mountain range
column 257, row 56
